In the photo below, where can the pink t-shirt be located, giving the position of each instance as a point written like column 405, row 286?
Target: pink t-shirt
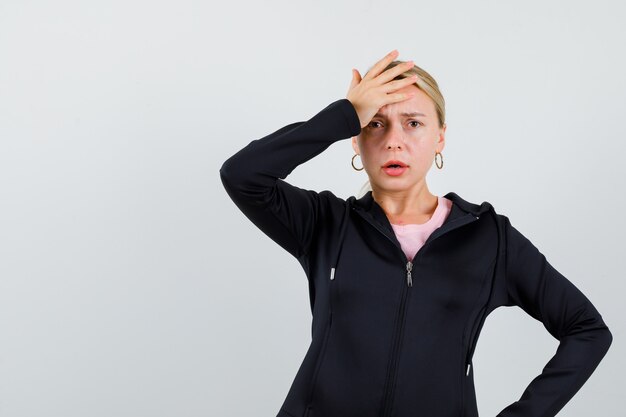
column 412, row 236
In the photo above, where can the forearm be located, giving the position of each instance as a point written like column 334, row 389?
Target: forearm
column 569, row 316
column 257, row 166
column 576, row 358
column 253, row 177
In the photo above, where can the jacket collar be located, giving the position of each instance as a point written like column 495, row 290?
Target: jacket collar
column 460, row 207
column 468, row 207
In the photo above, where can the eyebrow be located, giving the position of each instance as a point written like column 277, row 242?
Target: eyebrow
column 406, row 114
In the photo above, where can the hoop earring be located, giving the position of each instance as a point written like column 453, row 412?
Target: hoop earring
column 441, row 157
column 355, row 168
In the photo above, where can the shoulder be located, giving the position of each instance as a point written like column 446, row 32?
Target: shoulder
column 331, row 209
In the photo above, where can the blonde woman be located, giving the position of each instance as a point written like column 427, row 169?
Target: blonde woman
column 401, row 280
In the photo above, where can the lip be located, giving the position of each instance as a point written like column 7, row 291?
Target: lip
column 394, row 162
column 397, row 171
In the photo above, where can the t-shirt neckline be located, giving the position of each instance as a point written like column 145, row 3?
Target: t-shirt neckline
column 438, row 210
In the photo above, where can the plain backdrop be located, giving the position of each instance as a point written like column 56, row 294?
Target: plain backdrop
column 130, row 284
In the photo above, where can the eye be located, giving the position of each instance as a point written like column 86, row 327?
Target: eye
column 373, row 123
column 415, row 121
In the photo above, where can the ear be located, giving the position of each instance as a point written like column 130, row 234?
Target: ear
column 355, row 145
column 441, row 141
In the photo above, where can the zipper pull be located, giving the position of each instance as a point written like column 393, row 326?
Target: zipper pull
column 409, row 267
column 468, row 369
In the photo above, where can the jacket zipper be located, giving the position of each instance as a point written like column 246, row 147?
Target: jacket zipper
column 468, row 218
column 391, row 373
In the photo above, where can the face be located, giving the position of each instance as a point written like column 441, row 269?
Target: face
column 412, row 139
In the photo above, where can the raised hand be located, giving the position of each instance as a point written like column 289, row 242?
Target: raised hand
column 369, row 94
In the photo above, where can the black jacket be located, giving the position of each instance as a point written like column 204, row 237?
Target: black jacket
column 396, row 338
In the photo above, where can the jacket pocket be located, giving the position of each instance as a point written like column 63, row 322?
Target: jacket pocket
column 318, row 365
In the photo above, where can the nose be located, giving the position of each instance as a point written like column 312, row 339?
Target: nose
column 393, row 140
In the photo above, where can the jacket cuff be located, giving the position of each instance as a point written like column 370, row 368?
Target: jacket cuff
column 350, row 115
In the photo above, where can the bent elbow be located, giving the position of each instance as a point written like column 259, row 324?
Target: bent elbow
column 226, row 169
column 601, row 340
column 607, row 339
column 230, row 177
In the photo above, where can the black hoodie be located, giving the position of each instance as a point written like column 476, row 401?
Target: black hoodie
column 392, row 337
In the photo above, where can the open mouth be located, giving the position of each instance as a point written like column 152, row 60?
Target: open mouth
column 394, row 168
column 393, row 163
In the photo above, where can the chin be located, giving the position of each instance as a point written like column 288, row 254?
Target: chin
column 394, row 184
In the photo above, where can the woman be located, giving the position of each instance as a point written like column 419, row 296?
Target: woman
column 401, row 280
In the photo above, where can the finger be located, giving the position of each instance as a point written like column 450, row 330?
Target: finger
column 378, row 67
column 391, row 73
column 355, row 79
column 358, row 75
column 396, row 97
column 353, row 83
column 397, row 84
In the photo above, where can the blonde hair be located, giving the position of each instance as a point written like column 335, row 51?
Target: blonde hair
column 428, row 85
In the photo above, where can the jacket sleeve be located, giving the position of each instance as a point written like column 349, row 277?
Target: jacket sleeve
column 539, row 289
column 254, row 176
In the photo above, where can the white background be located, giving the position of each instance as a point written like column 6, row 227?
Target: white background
column 130, row 285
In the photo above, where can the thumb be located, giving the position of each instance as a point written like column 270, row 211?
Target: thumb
column 356, row 78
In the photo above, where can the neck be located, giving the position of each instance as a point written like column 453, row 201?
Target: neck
column 413, row 205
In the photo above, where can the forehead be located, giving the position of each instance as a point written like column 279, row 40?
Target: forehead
column 419, row 103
